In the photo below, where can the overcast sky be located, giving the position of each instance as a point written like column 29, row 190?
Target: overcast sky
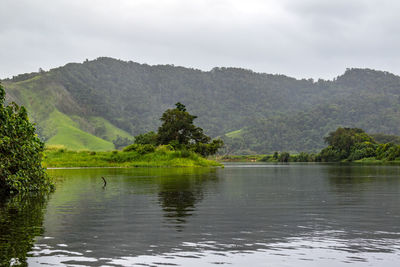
column 299, row 38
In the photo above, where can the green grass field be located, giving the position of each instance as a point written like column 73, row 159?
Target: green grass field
column 67, row 133
column 59, row 157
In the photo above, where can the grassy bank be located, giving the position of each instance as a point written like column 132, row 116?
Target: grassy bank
column 161, row 157
column 240, row 158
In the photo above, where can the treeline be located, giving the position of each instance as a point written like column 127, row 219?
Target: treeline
column 346, row 145
column 373, row 105
column 269, row 112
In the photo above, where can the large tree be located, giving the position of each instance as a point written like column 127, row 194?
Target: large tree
column 178, row 130
column 343, row 139
column 20, row 151
column 348, row 143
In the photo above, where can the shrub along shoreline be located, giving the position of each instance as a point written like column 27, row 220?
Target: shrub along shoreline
column 344, row 145
column 161, row 156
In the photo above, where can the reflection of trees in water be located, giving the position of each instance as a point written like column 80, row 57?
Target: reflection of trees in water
column 179, row 195
column 347, row 178
column 179, row 204
column 21, row 219
column 364, row 201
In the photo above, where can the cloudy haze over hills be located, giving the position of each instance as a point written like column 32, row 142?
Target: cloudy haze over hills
column 300, row 38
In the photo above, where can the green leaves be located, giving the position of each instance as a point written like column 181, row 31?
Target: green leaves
column 350, row 144
column 179, row 131
column 146, row 138
column 344, row 140
column 20, row 151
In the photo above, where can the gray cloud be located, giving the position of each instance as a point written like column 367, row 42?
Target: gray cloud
column 301, row 38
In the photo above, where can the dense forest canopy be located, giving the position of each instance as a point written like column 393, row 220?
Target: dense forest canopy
column 106, row 99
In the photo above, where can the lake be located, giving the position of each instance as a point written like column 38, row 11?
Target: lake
column 240, row 215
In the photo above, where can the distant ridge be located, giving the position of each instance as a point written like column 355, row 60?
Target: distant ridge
column 87, row 105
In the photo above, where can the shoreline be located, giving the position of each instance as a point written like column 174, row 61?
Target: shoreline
column 62, row 158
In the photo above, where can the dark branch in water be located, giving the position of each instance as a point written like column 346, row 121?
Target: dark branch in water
column 105, row 182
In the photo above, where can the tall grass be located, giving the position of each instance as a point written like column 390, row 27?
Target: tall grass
column 159, row 158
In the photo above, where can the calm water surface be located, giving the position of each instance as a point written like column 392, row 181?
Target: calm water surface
column 242, row 215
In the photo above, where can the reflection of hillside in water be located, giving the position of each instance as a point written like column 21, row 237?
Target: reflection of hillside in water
column 349, row 177
column 21, row 220
column 365, row 202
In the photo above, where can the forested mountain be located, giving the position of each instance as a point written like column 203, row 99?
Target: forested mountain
column 88, row 105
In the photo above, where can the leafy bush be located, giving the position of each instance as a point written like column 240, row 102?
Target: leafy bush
column 393, row 153
column 384, row 150
column 130, row 148
column 363, row 150
column 329, row 154
column 185, row 153
column 208, row 149
column 303, row 157
column 284, row 157
column 266, row 158
column 163, row 149
column 20, row 151
column 146, row 138
column 141, row 149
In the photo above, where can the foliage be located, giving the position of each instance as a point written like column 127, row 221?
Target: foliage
column 284, row 157
column 178, row 130
column 348, row 143
column 21, row 220
column 121, row 142
column 141, row 149
column 388, row 151
column 162, row 156
column 386, row 138
column 205, row 149
column 344, row 139
column 362, row 150
column 353, row 144
column 344, row 144
column 147, row 138
column 20, row 151
column 305, row 157
column 260, row 112
column 177, row 126
column 329, row 154
column 251, row 158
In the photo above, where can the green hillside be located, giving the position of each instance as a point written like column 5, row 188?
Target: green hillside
column 67, row 133
column 45, row 103
column 87, row 105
